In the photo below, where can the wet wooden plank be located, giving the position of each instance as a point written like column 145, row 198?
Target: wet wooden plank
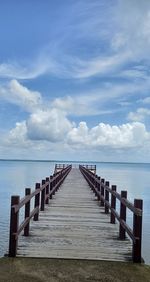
column 73, row 225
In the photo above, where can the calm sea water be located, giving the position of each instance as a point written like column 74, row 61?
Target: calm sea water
column 17, row 175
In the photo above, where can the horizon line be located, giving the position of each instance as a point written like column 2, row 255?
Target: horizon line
column 71, row 161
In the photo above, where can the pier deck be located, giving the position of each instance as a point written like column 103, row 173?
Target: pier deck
column 74, row 225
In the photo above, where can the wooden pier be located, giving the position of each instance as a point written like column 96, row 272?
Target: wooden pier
column 74, row 222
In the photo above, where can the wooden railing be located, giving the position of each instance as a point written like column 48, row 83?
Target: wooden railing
column 92, row 168
column 41, row 195
column 59, row 167
column 103, row 192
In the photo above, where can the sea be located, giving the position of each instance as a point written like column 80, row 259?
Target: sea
column 16, row 175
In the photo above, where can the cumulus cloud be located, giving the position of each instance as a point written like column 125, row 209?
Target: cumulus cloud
column 51, row 125
column 139, row 115
column 17, row 136
column 65, row 104
column 125, row 136
column 17, row 94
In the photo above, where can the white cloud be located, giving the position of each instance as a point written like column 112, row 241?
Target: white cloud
column 134, row 74
column 18, row 94
column 14, row 70
column 130, row 135
column 120, row 33
column 133, row 18
column 41, row 128
column 29, row 69
column 146, row 100
column 51, row 125
column 65, row 104
column 127, row 42
column 85, row 103
column 139, row 115
column 81, row 105
column 79, row 136
column 17, row 136
column 99, row 66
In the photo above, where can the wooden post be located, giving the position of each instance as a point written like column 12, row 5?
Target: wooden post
column 95, row 184
column 27, row 212
column 122, row 232
column 98, row 187
column 54, row 183
column 102, row 191
column 106, row 197
column 137, row 232
column 92, row 181
column 58, row 178
column 113, row 204
column 14, row 221
column 47, row 190
column 61, row 175
column 43, row 196
column 37, row 201
column 51, row 185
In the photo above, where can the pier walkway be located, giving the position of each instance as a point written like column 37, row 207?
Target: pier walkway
column 74, row 225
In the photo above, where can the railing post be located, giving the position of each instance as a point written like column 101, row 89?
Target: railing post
column 102, row 191
column 51, row 185
column 37, row 201
column 54, row 182
column 61, row 177
column 113, row 204
column 14, row 221
column 137, row 232
column 122, row 232
column 43, row 196
column 98, row 187
column 95, row 184
column 47, row 190
column 106, row 197
column 27, row 212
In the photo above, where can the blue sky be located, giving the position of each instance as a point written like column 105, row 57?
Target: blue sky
column 74, row 80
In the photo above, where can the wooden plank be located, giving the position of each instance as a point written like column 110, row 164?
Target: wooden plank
column 74, row 225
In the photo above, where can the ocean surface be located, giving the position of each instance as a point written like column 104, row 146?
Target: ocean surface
column 15, row 176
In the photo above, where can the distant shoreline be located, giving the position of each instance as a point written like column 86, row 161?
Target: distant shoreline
column 71, row 161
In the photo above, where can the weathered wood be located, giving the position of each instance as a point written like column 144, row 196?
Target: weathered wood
column 113, row 204
column 37, row 201
column 14, row 222
column 47, row 190
column 16, row 205
column 137, row 231
column 43, row 196
column 27, row 212
column 73, row 225
column 107, row 198
column 102, row 190
column 122, row 231
column 124, row 204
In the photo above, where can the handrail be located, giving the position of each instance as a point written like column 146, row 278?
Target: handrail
column 102, row 190
column 41, row 195
column 91, row 168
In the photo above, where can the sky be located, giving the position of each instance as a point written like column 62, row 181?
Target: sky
column 75, row 80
